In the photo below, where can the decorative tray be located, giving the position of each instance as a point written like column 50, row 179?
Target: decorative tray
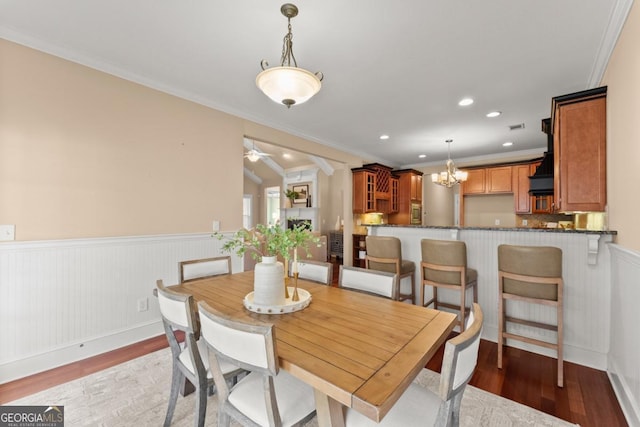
column 288, row 307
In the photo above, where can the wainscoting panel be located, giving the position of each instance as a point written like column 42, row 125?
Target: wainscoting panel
column 586, row 273
column 66, row 300
column 624, row 347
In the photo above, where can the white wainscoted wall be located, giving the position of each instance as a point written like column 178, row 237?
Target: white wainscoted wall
column 586, row 273
column 65, row 300
column 624, row 346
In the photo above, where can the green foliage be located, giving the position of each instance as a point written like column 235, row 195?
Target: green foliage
column 268, row 240
column 291, row 195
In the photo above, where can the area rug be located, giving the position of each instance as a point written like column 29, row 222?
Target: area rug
column 135, row 393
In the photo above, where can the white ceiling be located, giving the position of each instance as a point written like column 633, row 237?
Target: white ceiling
column 390, row 67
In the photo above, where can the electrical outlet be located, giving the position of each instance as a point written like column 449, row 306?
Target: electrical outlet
column 7, row 232
column 143, row 304
column 525, row 222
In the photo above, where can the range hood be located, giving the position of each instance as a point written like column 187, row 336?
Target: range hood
column 541, row 182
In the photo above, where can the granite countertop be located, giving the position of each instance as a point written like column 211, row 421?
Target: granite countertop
column 526, row 229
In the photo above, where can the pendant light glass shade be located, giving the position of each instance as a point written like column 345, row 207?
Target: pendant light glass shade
column 288, row 85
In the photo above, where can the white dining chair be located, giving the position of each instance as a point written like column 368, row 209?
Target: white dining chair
column 418, row 406
column 178, row 313
column 375, row 282
column 316, row 271
column 267, row 396
column 202, row 268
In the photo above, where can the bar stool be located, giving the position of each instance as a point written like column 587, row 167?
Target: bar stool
column 444, row 265
column 385, row 254
column 532, row 274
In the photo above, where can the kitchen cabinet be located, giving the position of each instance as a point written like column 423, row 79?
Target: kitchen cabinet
column 541, row 204
column 493, row 180
column 374, row 189
column 393, row 204
column 409, row 192
column 579, row 145
column 364, row 187
column 520, row 185
column 359, row 250
column 416, row 186
column 476, row 182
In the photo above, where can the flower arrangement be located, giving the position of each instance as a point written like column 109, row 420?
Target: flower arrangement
column 269, row 240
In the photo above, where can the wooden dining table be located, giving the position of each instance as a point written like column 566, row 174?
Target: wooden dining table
column 356, row 350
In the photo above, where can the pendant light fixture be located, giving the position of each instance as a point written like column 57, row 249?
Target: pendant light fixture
column 288, row 84
column 451, row 176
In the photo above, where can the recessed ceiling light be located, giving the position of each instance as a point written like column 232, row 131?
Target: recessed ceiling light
column 286, row 155
column 507, row 144
column 494, row 114
column 383, row 137
column 465, row 101
column 422, row 156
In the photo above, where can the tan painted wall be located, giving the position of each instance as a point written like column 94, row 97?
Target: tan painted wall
column 623, row 133
column 86, row 154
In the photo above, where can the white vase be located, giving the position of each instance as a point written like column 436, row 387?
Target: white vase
column 268, row 282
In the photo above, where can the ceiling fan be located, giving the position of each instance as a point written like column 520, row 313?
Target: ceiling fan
column 254, row 155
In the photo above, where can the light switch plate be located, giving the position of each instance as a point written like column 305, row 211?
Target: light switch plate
column 216, row 225
column 7, row 232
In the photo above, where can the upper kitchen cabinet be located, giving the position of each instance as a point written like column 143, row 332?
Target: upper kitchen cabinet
column 409, row 195
column 416, row 185
column 364, row 188
column 493, row 180
column 374, row 189
column 520, row 185
column 579, row 144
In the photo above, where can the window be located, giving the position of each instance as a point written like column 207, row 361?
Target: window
column 247, row 208
column 273, row 204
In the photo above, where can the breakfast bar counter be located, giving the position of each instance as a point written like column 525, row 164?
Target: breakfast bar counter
column 586, row 271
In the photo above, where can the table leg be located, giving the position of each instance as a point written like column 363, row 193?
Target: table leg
column 330, row 411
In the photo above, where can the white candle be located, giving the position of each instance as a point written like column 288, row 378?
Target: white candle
column 295, row 260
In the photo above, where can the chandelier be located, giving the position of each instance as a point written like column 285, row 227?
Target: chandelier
column 451, row 176
column 288, row 84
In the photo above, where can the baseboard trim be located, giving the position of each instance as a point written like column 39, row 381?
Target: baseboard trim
column 77, row 351
column 625, row 397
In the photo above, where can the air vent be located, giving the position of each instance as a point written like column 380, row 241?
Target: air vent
column 516, row 127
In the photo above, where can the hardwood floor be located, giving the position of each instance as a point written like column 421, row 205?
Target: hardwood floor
column 586, row 399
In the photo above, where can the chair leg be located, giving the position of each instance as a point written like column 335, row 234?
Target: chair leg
column 463, row 296
column 224, row 420
column 435, row 298
column 413, row 288
column 201, row 405
column 422, row 285
column 560, row 353
column 500, row 328
column 177, row 380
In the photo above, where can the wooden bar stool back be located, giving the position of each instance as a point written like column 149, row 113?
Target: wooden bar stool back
column 385, row 254
column 532, row 274
column 444, row 265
